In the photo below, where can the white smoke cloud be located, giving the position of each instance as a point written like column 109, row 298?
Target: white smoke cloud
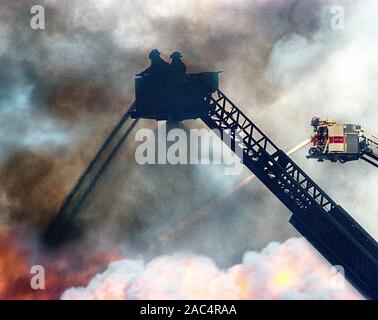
column 334, row 75
column 21, row 127
column 281, row 271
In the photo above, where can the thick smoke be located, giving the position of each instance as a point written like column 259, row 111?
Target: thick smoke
column 281, row 271
column 62, row 89
column 77, row 76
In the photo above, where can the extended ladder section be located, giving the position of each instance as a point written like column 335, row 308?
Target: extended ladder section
column 71, row 207
column 329, row 228
column 371, row 155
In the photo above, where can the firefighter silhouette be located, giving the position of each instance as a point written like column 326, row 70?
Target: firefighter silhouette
column 165, row 84
column 177, row 67
column 320, row 136
column 158, row 67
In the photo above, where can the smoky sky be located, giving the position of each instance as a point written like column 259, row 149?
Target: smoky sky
column 63, row 88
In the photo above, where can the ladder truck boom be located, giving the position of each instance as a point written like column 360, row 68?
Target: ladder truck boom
column 326, row 225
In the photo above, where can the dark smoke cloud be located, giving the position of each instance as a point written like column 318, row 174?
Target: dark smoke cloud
column 78, row 76
column 34, row 185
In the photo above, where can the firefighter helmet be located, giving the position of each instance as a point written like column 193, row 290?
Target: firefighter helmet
column 176, row 55
column 154, row 54
column 315, row 121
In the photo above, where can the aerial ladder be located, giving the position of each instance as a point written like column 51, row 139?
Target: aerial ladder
column 324, row 223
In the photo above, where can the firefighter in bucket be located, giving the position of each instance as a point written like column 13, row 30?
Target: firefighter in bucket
column 320, row 135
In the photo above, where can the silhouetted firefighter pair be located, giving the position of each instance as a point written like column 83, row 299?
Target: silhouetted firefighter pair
column 166, row 92
column 160, row 68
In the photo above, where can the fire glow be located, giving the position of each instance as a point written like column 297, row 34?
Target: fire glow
column 291, row 270
column 66, row 268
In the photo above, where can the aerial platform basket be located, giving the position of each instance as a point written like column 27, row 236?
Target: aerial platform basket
column 174, row 98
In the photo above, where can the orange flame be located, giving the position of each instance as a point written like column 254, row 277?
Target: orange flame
column 64, row 269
